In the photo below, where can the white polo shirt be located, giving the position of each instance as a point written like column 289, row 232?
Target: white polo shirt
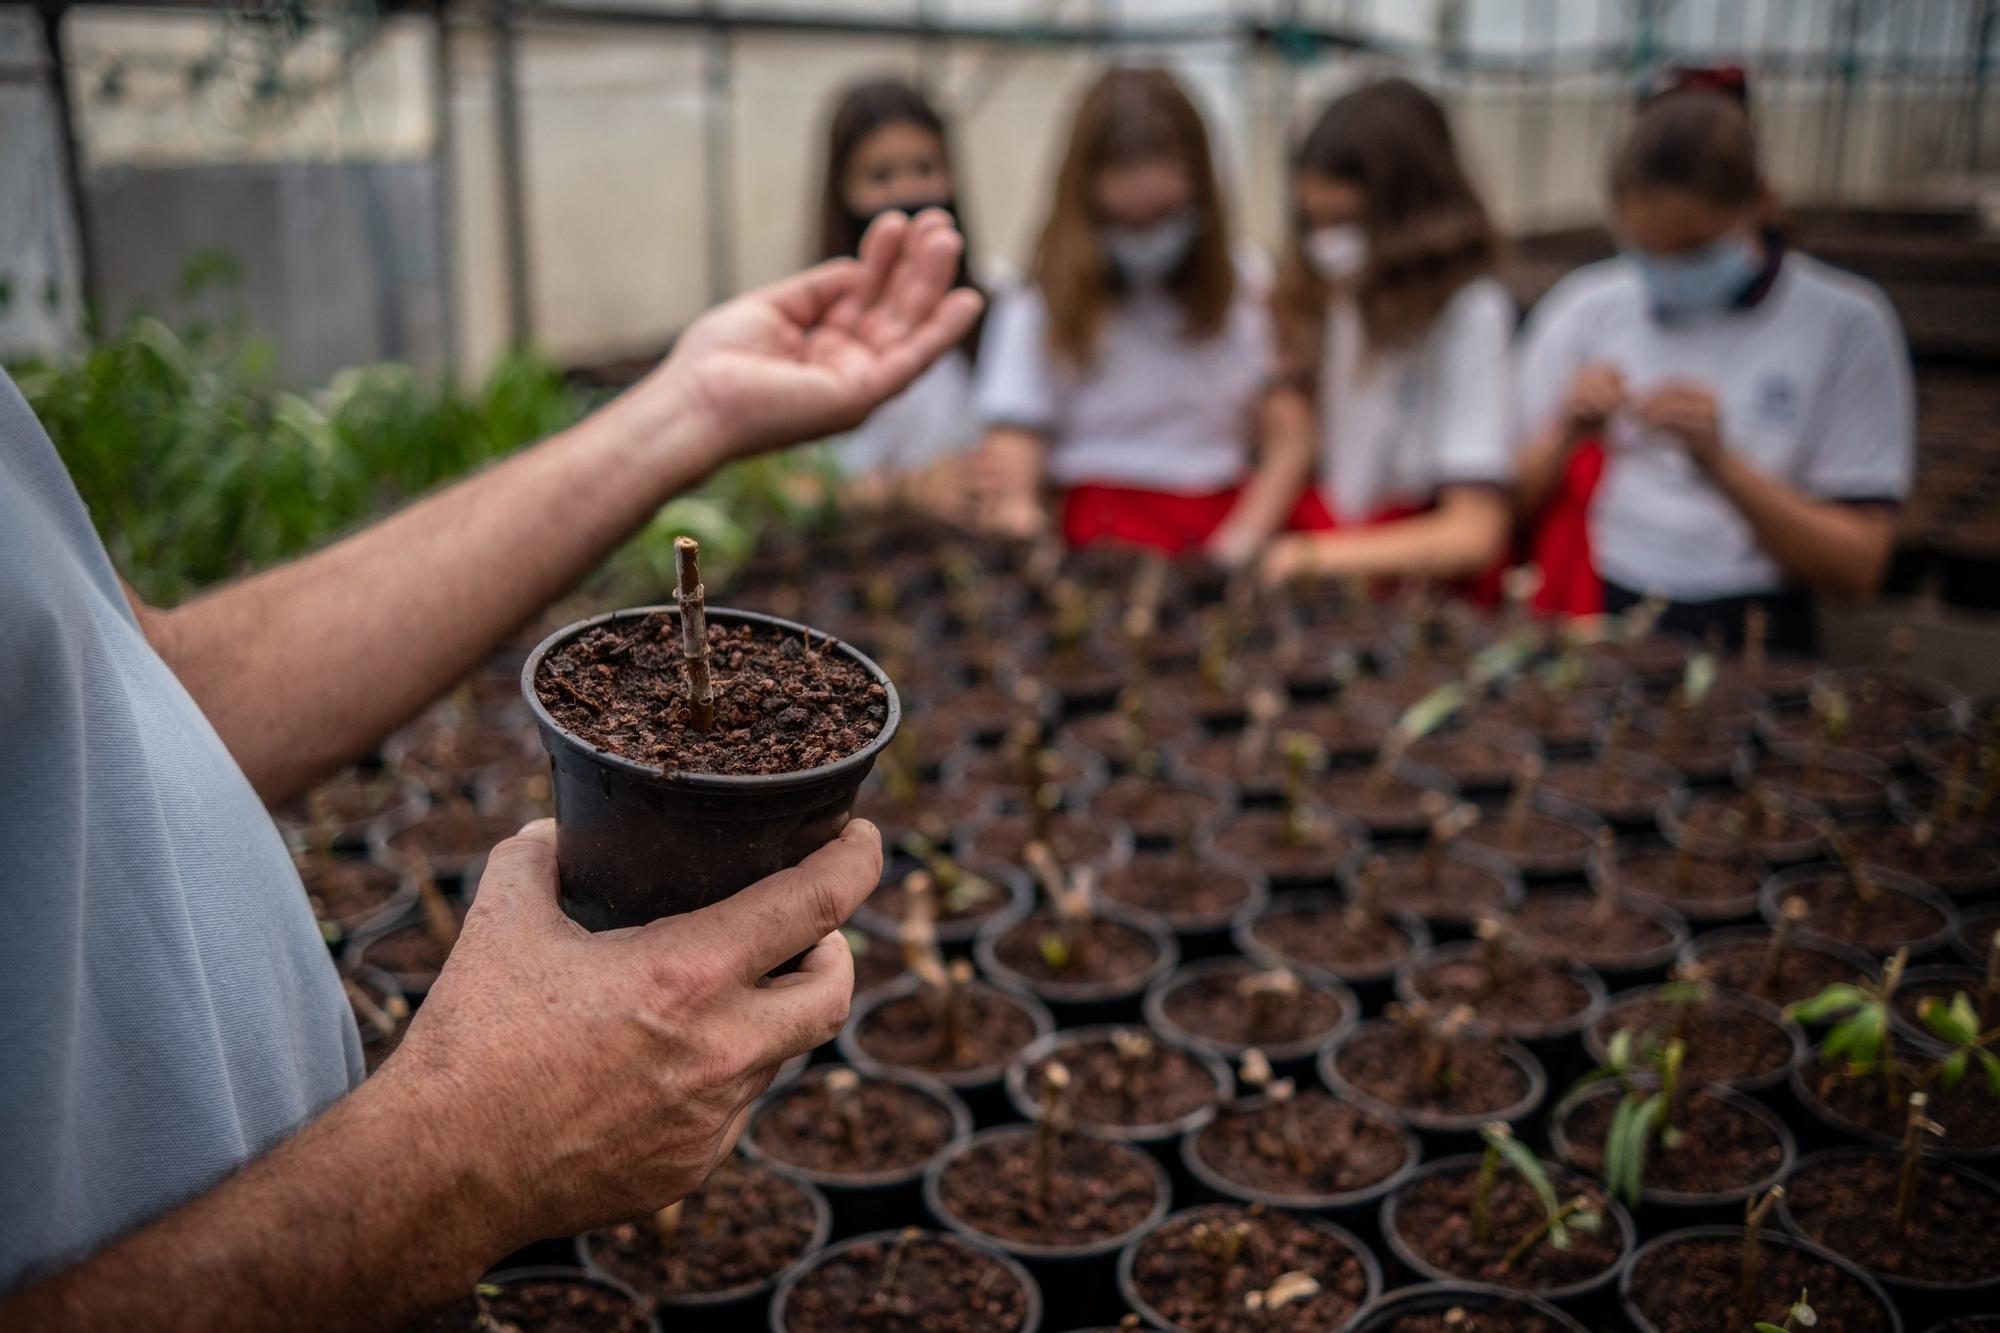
column 1155, row 409
column 1397, row 426
column 1813, row 386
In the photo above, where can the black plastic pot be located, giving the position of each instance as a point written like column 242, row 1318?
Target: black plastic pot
column 1354, row 1207
column 1017, row 899
column 984, row 1088
column 1084, row 1275
column 1672, row 819
column 1622, row 969
column 1749, row 1006
column 1030, row 1323
column 558, row 1273
column 1447, row 923
column 1441, row 1132
column 1666, row 1208
column 864, row 1201
column 1128, row 1290
column 1079, row 1002
column 1281, row 1054
column 1973, row 940
column 1157, row 1136
column 1748, row 773
column 1918, row 1300
column 635, row 843
column 734, row 1307
column 1370, row 982
column 1201, row 934
column 1824, row 1126
column 1577, row 1296
column 1734, row 909
column 1631, row 815
column 1087, row 774
column 1542, row 1037
column 1769, row 1235
column 1704, row 944
column 1537, row 866
column 1443, row 1297
column 1771, row 899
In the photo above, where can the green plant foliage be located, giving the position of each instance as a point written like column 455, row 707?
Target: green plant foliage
column 1957, row 1025
column 198, row 467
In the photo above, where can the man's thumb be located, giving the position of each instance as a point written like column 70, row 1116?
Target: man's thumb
column 520, row 872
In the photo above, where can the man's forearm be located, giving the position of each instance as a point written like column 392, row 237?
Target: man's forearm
column 303, row 667
column 1817, row 542
column 356, row 1223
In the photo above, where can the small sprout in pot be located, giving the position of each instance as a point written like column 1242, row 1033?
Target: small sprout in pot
column 1220, row 1245
column 440, row 921
column 844, row 1087
column 1040, row 791
column 1433, row 1028
column 1447, row 822
column 484, row 1320
column 384, row 1018
column 1558, row 1216
column 1521, row 802
column 1049, row 1130
column 1605, row 884
column 1417, row 721
column 1915, row 1126
column 1645, row 1118
column 1269, row 995
column 1257, row 1073
column 1364, row 904
column 1799, row 1315
column 884, row 1299
column 1264, row 705
column 1288, row 1287
column 1790, row 915
column 1133, row 1048
column 1860, row 1046
column 1303, row 756
column 1074, row 898
column 946, row 981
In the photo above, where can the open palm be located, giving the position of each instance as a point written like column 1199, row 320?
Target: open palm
column 815, row 354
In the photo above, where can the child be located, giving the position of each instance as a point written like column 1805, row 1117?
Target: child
column 886, row 149
column 1756, row 406
column 1133, row 373
column 1394, row 328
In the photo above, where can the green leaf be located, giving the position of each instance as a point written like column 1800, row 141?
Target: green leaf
column 1426, row 714
column 1835, row 999
column 1052, row 949
column 1959, row 1026
column 1529, row 1167
column 1953, row 1069
column 1698, row 679
column 1764, row 1326
column 1991, row 1064
column 1618, row 1051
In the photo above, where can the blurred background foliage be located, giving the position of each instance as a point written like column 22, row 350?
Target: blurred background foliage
column 198, row 467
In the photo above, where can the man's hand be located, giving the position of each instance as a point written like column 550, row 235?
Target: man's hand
column 815, row 354
column 600, row 1077
column 1686, row 411
column 1595, row 394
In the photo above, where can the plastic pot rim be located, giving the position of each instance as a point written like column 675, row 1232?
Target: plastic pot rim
column 1766, row 1236
column 1595, row 995
column 1026, row 1107
column 961, row 1126
column 985, row 949
column 1788, row 1148
column 1449, row 1293
column 1889, row 1281
column 1779, row 882
column 1154, row 1010
column 565, row 1273
column 1235, row 1190
column 1026, row 1250
column 1436, row 1122
column 1243, row 933
column 1031, row 1320
column 1593, row 1045
column 848, row 1040
column 1371, row 1265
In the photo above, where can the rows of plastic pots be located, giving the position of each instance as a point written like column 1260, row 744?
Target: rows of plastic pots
column 1326, row 961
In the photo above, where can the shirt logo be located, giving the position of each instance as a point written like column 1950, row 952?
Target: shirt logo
column 1777, row 401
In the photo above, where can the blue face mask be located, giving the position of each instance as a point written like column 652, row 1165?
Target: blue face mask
column 1704, row 280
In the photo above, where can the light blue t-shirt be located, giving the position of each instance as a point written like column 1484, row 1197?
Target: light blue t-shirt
column 167, row 1009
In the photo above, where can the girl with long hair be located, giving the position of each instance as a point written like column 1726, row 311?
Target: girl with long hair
column 1132, row 375
column 887, row 148
column 1755, row 406
column 1396, row 332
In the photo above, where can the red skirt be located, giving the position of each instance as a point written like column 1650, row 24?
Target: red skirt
column 1162, row 520
column 1559, row 541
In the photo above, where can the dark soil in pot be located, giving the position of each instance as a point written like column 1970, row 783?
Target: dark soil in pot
column 1855, row 783
column 1454, row 889
column 446, row 757
column 1731, row 1147
column 1686, row 1282
column 1727, row 825
column 1730, row 1039
column 1161, row 813
column 1389, row 804
column 1221, row 761
column 905, row 1030
column 1561, row 721
column 1481, row 754
column 1073, row 839
column 1973, row 940
column 1622, row 938
column 1228, row 1005
column 980, row 894
column 1461, row 1307
column 1541, row 843
column 1429, row 1223
column 934, row 813
column 450, row 840
column 1701, row 749
column 1527, row 997
column 1172, row 1088
column 1700, row 886
column 1859, row 1107
column 351, row 895
column 997, row 774
column 1292, row 854
column 1740, row 958
column 1843, row 1199
column 900, row 1124
column 783, row 705
column 736, row 1236
column 908, row 1282
column 1480, row 1077
column 1312, row 933
column 1173, row 1281
column 407, row 950
column 337, row 814
column 1342, row 733
column 1904, row 913
column 1790, row 731
column 1100, row 1191
column 1192, row 892
column 1311, row 1151
column 1122, row 739
column 1947, row 865
column 1619, row 788
column 546, row 1300
column 1123, row 955
column 1778, row 676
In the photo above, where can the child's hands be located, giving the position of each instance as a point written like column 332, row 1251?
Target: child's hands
column 1687, row 411
column 1595, row 394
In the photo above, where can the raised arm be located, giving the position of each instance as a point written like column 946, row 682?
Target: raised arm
column 553, row 1081
column 303, row 667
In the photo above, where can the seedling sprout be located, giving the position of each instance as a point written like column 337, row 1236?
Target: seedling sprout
column 1799, row 1315
column 1558, row 1216
column 1286, row 1290
column 1048, row 1130
column 694, row 634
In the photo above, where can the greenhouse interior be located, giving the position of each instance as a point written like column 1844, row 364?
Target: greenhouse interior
column 1000, row 666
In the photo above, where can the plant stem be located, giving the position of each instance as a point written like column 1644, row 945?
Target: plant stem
column 694, row 634
column 1521, row 801
column 1606, row 881
column 1790, row 915
column 1528, row 1242
column 1482, row 1190
column 1753, row 1255
column 1915, row 1125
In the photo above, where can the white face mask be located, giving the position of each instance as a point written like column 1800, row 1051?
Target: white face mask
column 1149, row 254
column 1338, row 253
